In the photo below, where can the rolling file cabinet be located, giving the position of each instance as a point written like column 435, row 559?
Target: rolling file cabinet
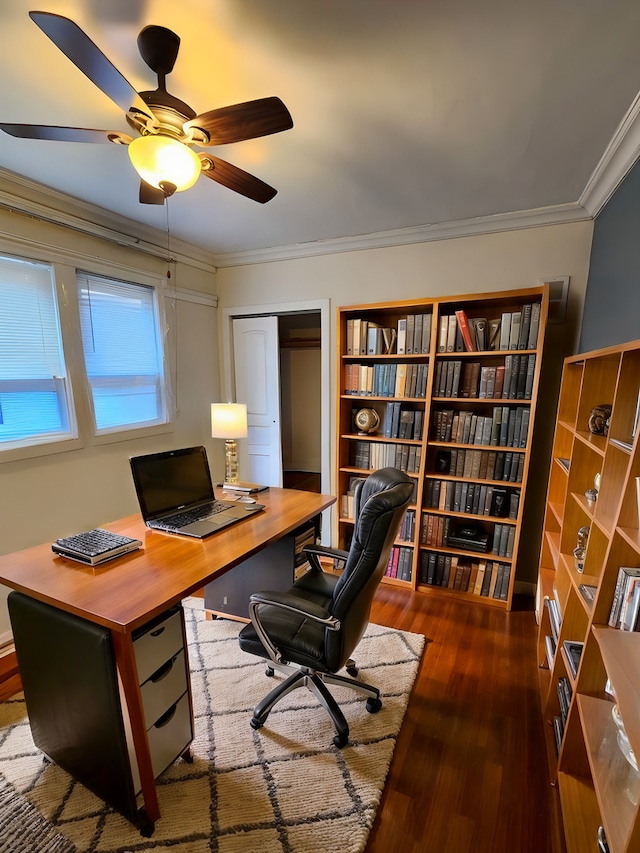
column 76, row 711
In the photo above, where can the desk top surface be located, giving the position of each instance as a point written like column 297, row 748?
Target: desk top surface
column 128, row 591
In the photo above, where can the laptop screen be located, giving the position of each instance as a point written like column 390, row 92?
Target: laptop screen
column 171, row 480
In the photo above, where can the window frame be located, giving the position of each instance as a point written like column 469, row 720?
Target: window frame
column 65, row 268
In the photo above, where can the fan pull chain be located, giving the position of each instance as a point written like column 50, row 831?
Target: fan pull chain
column 166, row 205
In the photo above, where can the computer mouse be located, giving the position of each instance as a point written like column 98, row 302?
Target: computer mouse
column 246, row 500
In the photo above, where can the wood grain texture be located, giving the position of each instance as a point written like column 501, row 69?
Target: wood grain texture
column 469, row 771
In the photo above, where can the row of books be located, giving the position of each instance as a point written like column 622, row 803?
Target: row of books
column 386, row 380
column 480, row 464
column 347, row 507
column 472, row 498
column 401, row 422
column 407, row 526
column 560, row 720
column 503, row 540
column 625, row 607
column 513, row 330
column 399, row 565
column 411, row 337
column 346, row 500
column 507, row 427
column 487, row 578
column 512, row 380
column 370, row 456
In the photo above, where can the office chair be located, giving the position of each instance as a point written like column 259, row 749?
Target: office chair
column 309, row 632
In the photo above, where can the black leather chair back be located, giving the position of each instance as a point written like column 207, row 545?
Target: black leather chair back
column 380, row 503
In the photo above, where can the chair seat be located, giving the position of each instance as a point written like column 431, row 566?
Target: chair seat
column 292, row 634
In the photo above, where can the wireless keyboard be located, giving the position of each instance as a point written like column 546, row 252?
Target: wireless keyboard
column 96, row 546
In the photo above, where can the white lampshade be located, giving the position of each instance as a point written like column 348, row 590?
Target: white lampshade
column 228, row 420
column 157, row 159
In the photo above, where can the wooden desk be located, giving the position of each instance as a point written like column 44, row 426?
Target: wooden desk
column 125, row 594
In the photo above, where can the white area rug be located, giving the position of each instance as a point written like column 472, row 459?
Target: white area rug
column 282, row 789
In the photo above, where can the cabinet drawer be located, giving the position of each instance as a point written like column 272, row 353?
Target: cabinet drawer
column 157, row 645
column 164, row 687
column 170, row 735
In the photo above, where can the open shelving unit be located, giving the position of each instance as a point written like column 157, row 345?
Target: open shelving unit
column 598, row 785
column 470, row 470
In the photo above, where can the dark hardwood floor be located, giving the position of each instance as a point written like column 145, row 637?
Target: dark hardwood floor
column 469, row 772
column 469, row 769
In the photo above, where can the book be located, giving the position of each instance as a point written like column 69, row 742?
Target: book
column 401, row 337
column 443, row 333
column 465, row 331
column 514, row 334
column 480, row 329
column 573, row 653
column 505, row 330
column 625, row 575
column 532, row 343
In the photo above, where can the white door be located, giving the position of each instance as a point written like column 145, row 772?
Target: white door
column 257, row 379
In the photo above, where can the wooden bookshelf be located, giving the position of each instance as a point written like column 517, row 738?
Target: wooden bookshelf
column 598, row 785
column 458, row 421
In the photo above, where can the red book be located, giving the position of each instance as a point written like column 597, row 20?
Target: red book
column 465, row 331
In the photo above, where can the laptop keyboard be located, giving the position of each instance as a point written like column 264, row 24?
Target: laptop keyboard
column 181, row 519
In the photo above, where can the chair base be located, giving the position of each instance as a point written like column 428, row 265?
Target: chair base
column 316, row 682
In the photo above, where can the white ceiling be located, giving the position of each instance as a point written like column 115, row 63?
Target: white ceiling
column 406, row 113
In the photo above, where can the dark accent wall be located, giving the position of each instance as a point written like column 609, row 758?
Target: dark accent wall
column 612, row 302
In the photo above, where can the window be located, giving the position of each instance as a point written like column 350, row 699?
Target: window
column 122, row 352
column 35, row 404
column 51, row 397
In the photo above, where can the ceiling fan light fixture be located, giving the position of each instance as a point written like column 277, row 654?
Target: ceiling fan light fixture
column 161, row 159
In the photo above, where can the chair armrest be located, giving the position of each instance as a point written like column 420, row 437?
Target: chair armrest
column 296, row 604
column 316, row 551
column 293, row 604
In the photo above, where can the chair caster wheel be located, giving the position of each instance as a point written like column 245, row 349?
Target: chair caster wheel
column 269, row 672
column 374, row 705
column 254, row 723
column 353, row 671
column 340, row 740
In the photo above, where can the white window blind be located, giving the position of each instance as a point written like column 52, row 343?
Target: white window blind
column 34, row 398
column 123, row 352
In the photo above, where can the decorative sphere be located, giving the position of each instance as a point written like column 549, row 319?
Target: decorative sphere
column 367, row 420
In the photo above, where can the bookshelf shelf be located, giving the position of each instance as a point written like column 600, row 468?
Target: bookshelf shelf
column 475, row 401
column 598, row 785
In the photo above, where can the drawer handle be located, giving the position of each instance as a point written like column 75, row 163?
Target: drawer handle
column 164, row 670
column 166, row 717
column 158, row 631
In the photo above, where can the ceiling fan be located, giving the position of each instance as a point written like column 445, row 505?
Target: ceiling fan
column 167, row 129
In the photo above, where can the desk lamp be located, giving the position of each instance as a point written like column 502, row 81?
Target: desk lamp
column 229, row 421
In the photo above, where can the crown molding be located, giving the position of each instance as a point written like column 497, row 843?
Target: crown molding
column 553, row 215
column 617, row 161
column 23, row 195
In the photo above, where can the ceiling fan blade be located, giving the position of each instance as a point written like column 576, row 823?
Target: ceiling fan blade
column 236, row 179
column 151, row 195
column 243, row 121
column 87, row 56
column 61, row 134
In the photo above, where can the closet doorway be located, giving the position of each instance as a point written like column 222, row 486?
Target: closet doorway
column 304, row 404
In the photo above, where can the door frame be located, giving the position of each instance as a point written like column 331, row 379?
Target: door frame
column 323, row 307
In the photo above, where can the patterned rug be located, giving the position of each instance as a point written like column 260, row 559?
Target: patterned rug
column 282, row 789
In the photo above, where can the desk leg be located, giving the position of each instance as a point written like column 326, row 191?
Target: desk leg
column 125, row 661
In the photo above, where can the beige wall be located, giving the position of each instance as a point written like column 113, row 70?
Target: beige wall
column 49, row 496
column 492, row 262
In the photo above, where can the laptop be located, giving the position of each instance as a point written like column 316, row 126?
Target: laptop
column 176, row 494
